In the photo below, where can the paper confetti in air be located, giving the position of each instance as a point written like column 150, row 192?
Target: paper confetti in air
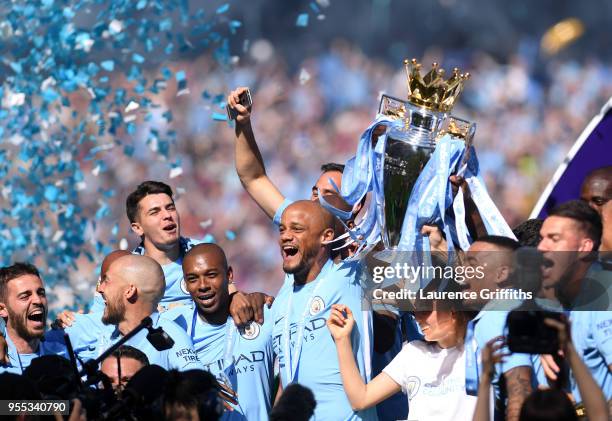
column 206, row 224
column 81, row 86
column 175, row 172
column 304, row 76
column 302, row 20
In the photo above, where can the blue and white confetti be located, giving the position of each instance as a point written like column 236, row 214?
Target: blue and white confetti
column 55, row 54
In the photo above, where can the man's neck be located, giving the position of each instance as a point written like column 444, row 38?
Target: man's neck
column 217, row 318
column 22, row 345
column 312, row 272
column 163, row 257
column 133, row 317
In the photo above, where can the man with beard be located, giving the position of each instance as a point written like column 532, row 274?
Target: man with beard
column 570, row 238
column 132, row 288
column 242, row 358
column 23, row 306
column 491, row 258
column 313, row 283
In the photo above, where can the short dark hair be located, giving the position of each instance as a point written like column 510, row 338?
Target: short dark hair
column 16, row 270
column 332, row 166
column 500, row 241
column 126, row 351
column 550, row 404
column 588, row 218
column 528, row 232
column 144, row 189
column 192, row 389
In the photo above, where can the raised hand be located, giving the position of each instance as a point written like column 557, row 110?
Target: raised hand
column 340, row 322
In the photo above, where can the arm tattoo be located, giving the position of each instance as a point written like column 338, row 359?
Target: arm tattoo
column 518, row 385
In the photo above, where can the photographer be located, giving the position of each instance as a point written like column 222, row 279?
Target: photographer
column 550, row 404
column 122, row 364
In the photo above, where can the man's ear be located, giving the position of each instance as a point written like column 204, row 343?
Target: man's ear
column 137, row 229
column 131, row 293
column 586, row 245
column 328, row 234
column 503, row 273
column 585, row 248
column 3, row 310
column 230, row 274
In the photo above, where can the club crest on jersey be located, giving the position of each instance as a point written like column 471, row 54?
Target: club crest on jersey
column 250, row 331
column 316, row 305
column 184, row 286
column 412, row 386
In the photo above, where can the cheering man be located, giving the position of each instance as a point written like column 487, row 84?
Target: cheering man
column 242, row 358
column 23, row 304
column 306, row 350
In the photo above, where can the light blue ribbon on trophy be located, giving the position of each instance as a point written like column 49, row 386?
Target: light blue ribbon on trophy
column 493, row 220
column 363, row 174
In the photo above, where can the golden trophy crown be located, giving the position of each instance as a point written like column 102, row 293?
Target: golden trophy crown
column 432, row 91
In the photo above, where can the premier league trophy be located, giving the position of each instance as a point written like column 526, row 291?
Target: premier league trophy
column 407, row 170
column 412, row 139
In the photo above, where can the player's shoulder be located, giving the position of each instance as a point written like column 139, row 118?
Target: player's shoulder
column 173, row 329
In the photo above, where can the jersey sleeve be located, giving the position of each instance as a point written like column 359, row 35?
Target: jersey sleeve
column 182, row 355
column 279, row 212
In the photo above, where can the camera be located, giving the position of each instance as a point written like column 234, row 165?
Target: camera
column 244, row 100
column 527, row 332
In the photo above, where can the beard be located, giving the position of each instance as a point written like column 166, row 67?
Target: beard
column 19, row 322
column 114, row 312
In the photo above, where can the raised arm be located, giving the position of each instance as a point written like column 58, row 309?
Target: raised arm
column 491, row 355
column 592, row 396
column 249, row 163
column 360, row 394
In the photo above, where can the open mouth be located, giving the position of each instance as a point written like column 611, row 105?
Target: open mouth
column 37, row 316
column 289, row 251
column 170, row 227
column 207, row 299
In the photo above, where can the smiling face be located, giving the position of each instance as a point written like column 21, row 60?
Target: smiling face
column 25, row 306
column 207, row 276
column 437, row 326
column 302, row 233
column 158, row 221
